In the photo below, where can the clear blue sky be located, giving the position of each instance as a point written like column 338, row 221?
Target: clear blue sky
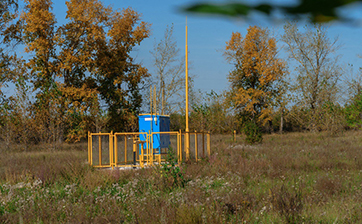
column 208, row 34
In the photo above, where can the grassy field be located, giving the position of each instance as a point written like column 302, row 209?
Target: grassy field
column 291, row 178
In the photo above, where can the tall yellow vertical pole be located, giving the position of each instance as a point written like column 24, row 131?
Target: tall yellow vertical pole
column 187, row 136
column 91, row 149
column 154, row 100
column 151, row 100
column 180, row 145
column 163, row 103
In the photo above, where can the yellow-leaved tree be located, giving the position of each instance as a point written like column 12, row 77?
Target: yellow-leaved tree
column 256, row 80
column 75, row 66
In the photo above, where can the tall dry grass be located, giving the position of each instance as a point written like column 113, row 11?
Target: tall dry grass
column 291, row 178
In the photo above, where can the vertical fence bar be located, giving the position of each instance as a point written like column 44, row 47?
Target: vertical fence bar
column 208, row 144
column 185, row 150
column 111, row 162
column 100, row 149
column 180, row 144
column 203, row 144
column 187, row 145
column 91, row 150
column 142, row 156
column 151, row 150
column 115, row 150
column 196, row 151
column 134, row 153
column 148, row 148
column 234, row 135
column 125, row 149
column 135, row 139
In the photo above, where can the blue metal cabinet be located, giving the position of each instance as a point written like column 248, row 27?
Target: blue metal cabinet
column 155, row 123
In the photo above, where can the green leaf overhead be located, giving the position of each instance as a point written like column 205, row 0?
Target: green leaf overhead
column 316, row 10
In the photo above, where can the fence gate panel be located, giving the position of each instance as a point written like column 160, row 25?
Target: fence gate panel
column 164, row 143
column 101, row 149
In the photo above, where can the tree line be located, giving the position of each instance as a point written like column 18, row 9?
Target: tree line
column 80, row 77
column 265, row 95
column 72, row 70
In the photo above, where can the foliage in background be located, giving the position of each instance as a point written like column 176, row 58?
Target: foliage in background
column 354, row 112
column 80, row 77
column 318, row 71
column 212, row 114
column 252, row 132
column 169, row 75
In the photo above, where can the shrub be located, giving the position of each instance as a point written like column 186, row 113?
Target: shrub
column 252, row 132
column 171, row 174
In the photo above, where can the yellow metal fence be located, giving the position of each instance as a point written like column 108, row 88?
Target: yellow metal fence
column 127, row 150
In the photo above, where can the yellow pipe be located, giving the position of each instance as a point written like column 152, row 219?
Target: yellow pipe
column 155, row 100
column 91, row 151
column 179, row 147
column 99, row 134
column 187, row 136
column 142, row 156
column 130, row 133
column 115, row 151
column 111, row 149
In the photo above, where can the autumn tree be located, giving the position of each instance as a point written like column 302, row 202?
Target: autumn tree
column 255, row 80
column 39, row 39
column 80, row 64
column 317, row 72
column 96, row 45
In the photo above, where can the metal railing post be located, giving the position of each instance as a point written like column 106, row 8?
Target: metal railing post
column 115, row 150
column 111, row 163
column 125, row 149
column 208, row 144
column 203, row 144
column 100, row 149
column 196, row 151
column 89, row 149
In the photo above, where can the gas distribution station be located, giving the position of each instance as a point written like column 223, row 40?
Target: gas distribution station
column 152, row 143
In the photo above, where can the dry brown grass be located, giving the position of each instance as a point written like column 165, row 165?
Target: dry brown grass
column 291, row 178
